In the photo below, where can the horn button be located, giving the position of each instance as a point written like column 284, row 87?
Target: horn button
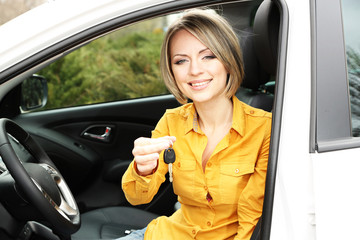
column 44, row 178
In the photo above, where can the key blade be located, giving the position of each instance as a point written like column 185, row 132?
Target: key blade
column 170, row 172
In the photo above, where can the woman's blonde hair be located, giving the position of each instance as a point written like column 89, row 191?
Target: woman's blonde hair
column 214, row 32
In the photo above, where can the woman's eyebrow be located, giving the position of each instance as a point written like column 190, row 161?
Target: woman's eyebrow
column 185, row 55
column 203, row 50
column 179, row 54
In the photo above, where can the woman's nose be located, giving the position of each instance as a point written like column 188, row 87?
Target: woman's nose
column 195, row 68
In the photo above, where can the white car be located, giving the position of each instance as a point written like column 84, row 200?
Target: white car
column 80, row 81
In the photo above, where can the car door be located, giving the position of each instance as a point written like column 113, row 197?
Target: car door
column 317, row 178
column 336, row 161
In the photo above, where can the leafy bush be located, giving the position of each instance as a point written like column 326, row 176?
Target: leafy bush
column 353, row 65
column 113, row 67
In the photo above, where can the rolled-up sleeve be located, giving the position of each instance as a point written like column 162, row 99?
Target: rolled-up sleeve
column 141, row 189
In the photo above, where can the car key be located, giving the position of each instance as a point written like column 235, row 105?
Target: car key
column 169, row 158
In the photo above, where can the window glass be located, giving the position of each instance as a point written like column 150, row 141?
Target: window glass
column 118, row 66
column 351, row 19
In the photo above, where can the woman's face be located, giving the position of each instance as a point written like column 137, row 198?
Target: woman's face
column 198, row 73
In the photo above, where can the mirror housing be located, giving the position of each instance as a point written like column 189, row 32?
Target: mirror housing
column 34, row 93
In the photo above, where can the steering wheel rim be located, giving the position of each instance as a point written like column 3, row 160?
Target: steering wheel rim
column 57, row 206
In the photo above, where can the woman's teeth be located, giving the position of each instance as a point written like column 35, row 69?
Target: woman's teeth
column 199, row 84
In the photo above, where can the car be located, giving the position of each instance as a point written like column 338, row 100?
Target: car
column 80, row 82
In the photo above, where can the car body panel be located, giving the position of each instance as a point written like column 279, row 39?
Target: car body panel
column 314, row 178
column 57, row 22
column 291, row 200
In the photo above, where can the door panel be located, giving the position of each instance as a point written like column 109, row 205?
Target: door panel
column 92, row 168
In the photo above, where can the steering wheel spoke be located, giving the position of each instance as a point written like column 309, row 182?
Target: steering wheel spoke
column 67, row 207
column 42, row 184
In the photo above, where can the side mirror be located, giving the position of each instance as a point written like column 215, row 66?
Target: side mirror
column 34, row 93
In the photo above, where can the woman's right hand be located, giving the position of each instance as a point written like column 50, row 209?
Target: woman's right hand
column 147, row 151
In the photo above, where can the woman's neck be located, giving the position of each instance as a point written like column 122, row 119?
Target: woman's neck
column 215, row 120
column 215, row 115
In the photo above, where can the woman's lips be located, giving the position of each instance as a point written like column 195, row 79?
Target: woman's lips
column 199, row 84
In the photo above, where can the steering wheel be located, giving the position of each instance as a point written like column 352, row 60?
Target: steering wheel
column 41, row 183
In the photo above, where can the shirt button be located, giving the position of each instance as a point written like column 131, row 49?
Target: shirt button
column 208, row 223
column 193, row 232
column 179, row 164
column 206, row 188
column 252, row 112
column 236, row 170
column 209, row 164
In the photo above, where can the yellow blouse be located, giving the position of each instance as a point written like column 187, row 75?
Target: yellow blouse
column 225, row 201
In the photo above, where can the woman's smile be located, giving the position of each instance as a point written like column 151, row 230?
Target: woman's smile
column 199, row 84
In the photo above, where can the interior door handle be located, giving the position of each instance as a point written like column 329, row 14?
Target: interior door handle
column 98, row 132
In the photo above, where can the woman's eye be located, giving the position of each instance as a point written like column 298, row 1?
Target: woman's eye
column 179, row 61
column 209, row 57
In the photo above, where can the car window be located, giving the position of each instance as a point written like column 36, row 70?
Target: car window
column 351, row 18
column 121, row 65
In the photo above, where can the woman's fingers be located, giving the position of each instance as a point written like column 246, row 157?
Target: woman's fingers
column 146, row 152
column 150, row 147
column 143, row 141
column 146, row 163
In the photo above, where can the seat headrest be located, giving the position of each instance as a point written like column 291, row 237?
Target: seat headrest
column 266, row 30
column 260, row 46
column 255, row 75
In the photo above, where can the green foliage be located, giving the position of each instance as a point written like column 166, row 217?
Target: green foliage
column 353, row 65
column 113, row 67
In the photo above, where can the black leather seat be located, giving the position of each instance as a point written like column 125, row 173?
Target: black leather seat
column 266, row 36
column 255, row 78
column 260, row 54
column 259, row 46
column 111, row 222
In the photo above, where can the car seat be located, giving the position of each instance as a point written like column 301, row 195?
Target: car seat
column 259, row 47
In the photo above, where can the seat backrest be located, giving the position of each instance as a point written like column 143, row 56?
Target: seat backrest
column 259, row 46
column 266, row 32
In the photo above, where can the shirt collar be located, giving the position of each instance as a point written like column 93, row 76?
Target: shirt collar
column 188, row 112
column 238, row 122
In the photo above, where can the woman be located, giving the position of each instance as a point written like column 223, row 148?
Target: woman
column 221, row 144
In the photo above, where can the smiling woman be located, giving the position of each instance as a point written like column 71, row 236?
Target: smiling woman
column 222, row 143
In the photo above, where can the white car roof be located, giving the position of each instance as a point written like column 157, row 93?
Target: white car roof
column 55, row 21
